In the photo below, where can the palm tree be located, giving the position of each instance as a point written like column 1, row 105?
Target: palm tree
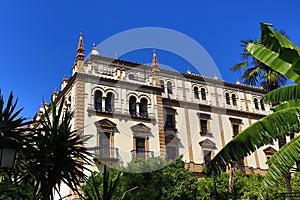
column 284, row 57
column 55, row 153
column 10, row 122
column 256, row 72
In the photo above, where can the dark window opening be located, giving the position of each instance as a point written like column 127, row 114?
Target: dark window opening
column 162, row 85
column 169, row 121
column 169, row 87
column 196, row 93
column 207, row 157
column 233, row 99
column 262, row 105
column 256, row 103
column 131, row 77
column 203, row 124
column 140, row 147
column 235, row 128
column 203, row 94
column 143, row 107
column 109, row 101
column 132, row 106
column 105, row 145
column 227, row 98
column 98, row 100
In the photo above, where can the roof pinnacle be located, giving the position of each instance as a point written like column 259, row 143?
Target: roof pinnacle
column 154, row 61
column 80, row 48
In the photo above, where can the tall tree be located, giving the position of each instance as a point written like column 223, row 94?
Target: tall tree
column 55, row 153
column 258, row 73
column 284, row 57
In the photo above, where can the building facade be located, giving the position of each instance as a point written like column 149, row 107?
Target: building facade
column 134, row 110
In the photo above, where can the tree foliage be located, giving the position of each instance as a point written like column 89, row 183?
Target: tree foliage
column 49, row 154
column 284, row 57
column 172, row 181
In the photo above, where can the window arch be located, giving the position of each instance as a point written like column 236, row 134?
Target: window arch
column 256, row 103
column 143, row 107
column 196, row 92
column 203, row 94
column 262, row 105
column 98, row 100
column 132, row 105
column 233, row 97
column 131, row 77
column 169, row 87
column 162, row 85
column 109, row 102
column 227, row 98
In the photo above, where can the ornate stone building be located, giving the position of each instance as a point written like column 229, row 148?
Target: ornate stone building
column 134, row 110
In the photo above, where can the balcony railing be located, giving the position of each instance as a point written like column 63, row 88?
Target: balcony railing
column 142, row 154
column 107, row 153
column 139, row 115
column 103, row 110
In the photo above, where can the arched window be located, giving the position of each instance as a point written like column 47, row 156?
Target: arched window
column 233, row 97
column 256, row 103
column 143, row 107
column 169, row 87
column 132, row 106
column 98, row 100
column 109, row 102
column 196, row 92
column 162, row 85
column 131, row 77
column 227, row 98
column 203, row 94
column 262, row 105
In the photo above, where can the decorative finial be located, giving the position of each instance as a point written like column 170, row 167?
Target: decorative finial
column 154, row 61
column 80, row 48
column 94, row 50
column 189, row 71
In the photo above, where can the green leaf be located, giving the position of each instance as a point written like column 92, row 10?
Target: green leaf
column 286, row 93
column 281, row 163
column 272, row 59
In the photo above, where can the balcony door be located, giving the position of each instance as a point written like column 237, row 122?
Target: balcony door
column 140, row 147
column 105, row 145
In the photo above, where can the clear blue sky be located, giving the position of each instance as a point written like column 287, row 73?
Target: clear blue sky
column 38, row 39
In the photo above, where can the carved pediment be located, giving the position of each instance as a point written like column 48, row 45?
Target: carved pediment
column 269, row 151
column 105, row 125
column 207, row 144
column 141, row 130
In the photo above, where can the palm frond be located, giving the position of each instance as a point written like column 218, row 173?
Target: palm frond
column 274, row 60
column 286, row 93
column 280, row 163
column 286, row 105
